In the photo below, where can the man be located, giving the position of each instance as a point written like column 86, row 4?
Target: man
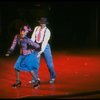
column 41, row 35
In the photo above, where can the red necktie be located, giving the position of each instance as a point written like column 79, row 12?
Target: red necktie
column 39, row 35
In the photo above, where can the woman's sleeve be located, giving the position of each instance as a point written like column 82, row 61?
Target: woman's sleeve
column 33, row 44
column 12, row 47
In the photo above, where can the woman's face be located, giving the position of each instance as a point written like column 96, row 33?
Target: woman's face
column 22, row 34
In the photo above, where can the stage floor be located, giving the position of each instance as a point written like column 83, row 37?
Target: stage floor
column 78, row 76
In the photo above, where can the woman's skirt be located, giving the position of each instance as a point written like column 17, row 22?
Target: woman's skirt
column 27, row 62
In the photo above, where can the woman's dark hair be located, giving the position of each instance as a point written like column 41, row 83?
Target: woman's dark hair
column 22, row 28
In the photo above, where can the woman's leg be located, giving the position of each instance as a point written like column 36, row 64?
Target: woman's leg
column 18, row 82
column 17, row 74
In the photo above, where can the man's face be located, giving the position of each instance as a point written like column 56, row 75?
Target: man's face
column 43, row 25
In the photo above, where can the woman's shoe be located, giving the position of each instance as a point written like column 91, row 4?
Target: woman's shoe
column 37, row 84
column 17, row 84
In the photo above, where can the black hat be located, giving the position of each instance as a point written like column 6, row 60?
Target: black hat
column 43, row 20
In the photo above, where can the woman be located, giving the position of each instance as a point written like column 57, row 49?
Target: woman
column 26, row 61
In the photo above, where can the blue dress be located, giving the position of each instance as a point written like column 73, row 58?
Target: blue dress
column 27, row 60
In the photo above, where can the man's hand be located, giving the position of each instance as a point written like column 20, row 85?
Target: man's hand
column 39, row 53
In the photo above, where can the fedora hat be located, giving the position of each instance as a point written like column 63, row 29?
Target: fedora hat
column 43, row 20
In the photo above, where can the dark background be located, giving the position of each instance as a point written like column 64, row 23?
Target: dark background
column 73, row 25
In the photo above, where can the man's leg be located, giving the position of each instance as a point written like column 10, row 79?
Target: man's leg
column 49, row 61
column 36, row 70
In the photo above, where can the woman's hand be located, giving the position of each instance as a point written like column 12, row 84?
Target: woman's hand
column 6, row 54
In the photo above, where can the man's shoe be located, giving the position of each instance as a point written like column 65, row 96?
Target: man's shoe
column 33, row 81
column 52, row 81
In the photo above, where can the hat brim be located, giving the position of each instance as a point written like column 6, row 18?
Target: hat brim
column 40, row 22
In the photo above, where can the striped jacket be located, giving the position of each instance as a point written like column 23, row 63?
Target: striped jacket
column 27, row 46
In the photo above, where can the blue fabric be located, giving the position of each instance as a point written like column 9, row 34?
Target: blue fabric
column 49, row 61
column 26, row 62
